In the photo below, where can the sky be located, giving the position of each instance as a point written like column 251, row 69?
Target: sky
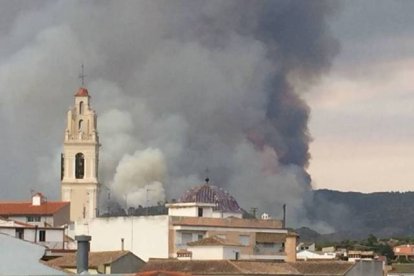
column 363, row 108
column 281, row 96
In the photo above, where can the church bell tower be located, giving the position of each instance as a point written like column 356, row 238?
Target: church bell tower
column 79, row 161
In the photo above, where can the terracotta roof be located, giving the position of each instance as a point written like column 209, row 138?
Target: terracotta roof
column 406, row 249
column 315, row 268
column 162, row 273
column 227, row 222
column 323, row 267
column 212, row 241
column 82, row 92
column 95, row 259
column 221, row 267
column 258, row 267
column 205, row 267
column 212, row 194
column 26, row 208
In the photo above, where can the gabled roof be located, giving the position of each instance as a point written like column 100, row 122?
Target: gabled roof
column 162, row 273
column 205, row 267
column 212, row 241
column 95, row 259
column 220, row 267
column 26, row 208
column 323, row 267
column 82, row 92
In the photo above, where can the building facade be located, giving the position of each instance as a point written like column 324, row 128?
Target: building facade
column 80, row 157
column 50, row 237
column 37, row 212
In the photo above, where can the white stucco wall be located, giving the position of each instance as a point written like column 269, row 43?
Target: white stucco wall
column 43, row 220
column 183, row 212
column 229, row 252
column 214, row 252
column 145, row 236
column 207, row 252
column 54, row 237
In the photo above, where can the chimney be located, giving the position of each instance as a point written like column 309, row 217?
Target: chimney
column 284, row 216
column 290, row 247
column 82, row 255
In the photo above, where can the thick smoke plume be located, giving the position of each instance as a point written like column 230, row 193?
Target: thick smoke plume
column 204, row 84
column 139, row 178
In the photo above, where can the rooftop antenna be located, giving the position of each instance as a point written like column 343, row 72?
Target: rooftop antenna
column 82, row 75
column 207, row 179
column 146, row 198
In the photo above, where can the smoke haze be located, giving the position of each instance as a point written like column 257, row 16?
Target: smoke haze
column 184, row 85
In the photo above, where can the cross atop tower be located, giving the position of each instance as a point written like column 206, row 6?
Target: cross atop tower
column 82, row 76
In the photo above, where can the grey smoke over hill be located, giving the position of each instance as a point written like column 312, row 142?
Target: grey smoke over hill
column 203, row 84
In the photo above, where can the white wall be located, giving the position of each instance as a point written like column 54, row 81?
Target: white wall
column 229, row 252
column 145, row 236
column 54, row 237
column 183, row 212
column 214, row 252
column 207, row 252
column 43, row 220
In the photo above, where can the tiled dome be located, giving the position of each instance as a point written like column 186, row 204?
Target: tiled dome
column 82, row 92
column 212, row 194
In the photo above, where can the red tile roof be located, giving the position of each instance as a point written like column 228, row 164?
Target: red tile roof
column 82, row 92
column 95, row 259
column 26, row 208
column 221, row 267
column 162, row 273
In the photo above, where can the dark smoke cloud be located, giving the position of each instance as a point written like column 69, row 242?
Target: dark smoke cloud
column 203, row 84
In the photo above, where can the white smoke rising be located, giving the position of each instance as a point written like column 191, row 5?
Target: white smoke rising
column 192, row 80
column 139, row 178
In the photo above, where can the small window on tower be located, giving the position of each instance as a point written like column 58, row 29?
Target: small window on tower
column 81, row 108
column 80, row 126
column 79, row 166
column 62, row 166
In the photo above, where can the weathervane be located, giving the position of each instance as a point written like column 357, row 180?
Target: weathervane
column 82, row 75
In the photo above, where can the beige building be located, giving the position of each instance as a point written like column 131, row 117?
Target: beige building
column 79, row 172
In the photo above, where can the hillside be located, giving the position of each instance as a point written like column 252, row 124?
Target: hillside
column 356, row 215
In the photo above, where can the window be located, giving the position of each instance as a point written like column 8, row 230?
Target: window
column 80, row 107
column 79, row 166
column 186, row 237
column 200, row 236
column 200, row 212
column 244, row 239
column 20, row 233
column 42, row 235
column 80, row 125
column 62, row 166
column 33, row 219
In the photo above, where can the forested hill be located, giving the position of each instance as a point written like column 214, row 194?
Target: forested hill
column 355, row 215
